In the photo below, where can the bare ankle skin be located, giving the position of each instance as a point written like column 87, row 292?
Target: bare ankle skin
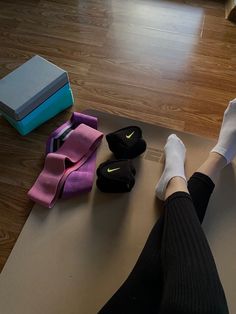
column 176, row 184
column 213, row 165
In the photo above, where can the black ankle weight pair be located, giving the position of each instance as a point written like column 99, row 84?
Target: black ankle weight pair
column 118, row 176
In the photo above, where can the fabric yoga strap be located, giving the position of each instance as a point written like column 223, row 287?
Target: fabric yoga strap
column 76, row 150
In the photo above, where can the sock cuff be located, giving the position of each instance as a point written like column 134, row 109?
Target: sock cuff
column 222, row 151
column 178, row 175
column 160, row 189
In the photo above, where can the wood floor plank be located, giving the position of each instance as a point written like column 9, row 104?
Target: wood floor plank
column 164, row 121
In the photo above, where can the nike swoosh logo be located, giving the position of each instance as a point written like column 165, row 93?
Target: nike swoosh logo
column 111, row 170
column 128, row 136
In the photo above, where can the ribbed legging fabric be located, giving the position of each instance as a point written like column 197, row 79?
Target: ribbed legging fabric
column 175, row 272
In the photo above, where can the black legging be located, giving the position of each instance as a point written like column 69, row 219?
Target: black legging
column 175, row 272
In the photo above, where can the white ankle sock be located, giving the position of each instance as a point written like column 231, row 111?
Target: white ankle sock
column 226, row 145
column 174, row 164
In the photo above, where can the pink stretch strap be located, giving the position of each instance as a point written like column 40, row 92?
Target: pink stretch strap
column 79, row 146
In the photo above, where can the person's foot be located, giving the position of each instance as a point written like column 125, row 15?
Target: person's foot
column 226, row 145
column 174, row 164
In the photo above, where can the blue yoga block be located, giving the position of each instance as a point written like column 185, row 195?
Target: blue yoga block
column 59, row 101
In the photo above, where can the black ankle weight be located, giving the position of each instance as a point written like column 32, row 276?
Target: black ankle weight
column 127, row 142
column 116, row 176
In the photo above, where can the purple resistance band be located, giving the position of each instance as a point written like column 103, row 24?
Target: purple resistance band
column 58, row 136
column 70, row 162
column 80, row 180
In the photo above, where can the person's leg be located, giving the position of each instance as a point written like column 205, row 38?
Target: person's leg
column 201, row 184
column 142, row 290
column 191, row 281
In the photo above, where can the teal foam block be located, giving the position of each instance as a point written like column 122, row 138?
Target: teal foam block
column 59, row 101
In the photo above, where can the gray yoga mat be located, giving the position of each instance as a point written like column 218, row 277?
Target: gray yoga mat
column 72, row 258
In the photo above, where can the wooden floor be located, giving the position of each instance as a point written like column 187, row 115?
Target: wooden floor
column 170, row 63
